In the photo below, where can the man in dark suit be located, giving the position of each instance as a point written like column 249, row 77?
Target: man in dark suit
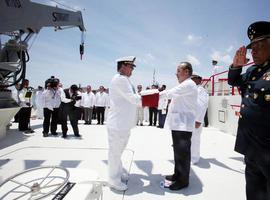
column 253, row 134
column 70, row 107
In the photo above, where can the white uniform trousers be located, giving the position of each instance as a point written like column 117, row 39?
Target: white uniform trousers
column 140, row 114
column 118, row 140
column 195, row 145
column 39, row 112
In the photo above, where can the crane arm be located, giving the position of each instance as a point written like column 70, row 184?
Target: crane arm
column 26, row 16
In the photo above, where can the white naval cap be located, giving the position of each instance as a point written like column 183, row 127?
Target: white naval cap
column 127, row 60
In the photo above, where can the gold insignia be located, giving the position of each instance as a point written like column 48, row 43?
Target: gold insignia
column 251, row 37
column 255, row 96
column 265, row 64
column 242, row 105
column 249, row 86
column 267, row 97
column 262, row 89
column 247, row 96
column 259, row 69
column 253, row 78
column 266, row 76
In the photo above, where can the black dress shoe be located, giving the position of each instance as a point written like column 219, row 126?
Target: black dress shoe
column 54, row 133
column 78, row 135
column 177, row 186
column 171, row 178
column 28, row 131
column 45, row 135
column 64, row 136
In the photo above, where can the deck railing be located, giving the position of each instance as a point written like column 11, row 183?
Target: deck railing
column 231, row 91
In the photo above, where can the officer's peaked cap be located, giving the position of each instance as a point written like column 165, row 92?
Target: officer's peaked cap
column 258, row 31
column 127, row 60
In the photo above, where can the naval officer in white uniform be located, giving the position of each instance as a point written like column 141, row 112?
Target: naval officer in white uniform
column 121, row 118
column 202, row 104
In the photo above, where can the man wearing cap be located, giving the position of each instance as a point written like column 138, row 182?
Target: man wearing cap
column 253, row 134
column 202, row 104
column 180, row 120
column 121, row 118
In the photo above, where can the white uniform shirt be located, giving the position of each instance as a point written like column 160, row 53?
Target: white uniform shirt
column 162, row 102
column 52, row 98
column 123, row 104
column 183, row 106
column 24, row 100
column 88, row 100
column 15, row 95
column 202, row 101
column 101, row 99
column 39, row 101
column 78, row 102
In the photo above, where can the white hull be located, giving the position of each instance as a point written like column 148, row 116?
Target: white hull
column 222, row 113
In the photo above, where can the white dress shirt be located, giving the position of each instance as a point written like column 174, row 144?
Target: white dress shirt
column 202, row 101
column 183, row 106
column 23, row 100
column 52, row 98
column 101, row 99
column 88, row 100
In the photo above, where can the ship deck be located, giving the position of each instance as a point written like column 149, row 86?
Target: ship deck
column 148, row 157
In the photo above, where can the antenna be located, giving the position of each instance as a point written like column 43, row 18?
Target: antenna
column 154, row 77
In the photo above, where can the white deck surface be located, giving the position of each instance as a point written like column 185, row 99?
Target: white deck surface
column 148, row 157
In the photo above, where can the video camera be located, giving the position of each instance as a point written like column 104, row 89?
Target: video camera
column 52, row 82
column 74, row 88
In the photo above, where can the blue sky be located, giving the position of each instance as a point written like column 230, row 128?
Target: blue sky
column 160, row 33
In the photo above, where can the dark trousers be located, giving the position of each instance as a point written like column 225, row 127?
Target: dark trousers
column 24, row 118
column 72, row 113
column 206, row 123
column 50, row 120
column 16, row 117
column 100, row 114
column 181, row 149
column 161, row 119
column 257, row 180
column 88, row 115
column 153, row 112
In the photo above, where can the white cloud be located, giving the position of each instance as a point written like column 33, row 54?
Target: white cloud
column 221, row 57
column 148, row 59
column 193, row 39
column 193, row 60
column 230, row 49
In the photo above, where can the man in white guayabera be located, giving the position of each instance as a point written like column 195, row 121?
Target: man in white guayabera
column 121, row 118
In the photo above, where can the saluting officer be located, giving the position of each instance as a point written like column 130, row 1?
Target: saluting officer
column 253, row 134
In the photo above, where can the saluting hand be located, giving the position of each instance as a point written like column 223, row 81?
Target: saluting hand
column 240, row 58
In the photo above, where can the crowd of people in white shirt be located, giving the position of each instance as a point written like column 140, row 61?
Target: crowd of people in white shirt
column 94, row 105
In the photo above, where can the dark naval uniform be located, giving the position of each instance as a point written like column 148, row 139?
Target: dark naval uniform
column 253, row 134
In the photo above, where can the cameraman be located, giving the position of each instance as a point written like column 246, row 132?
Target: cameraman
column 52, row 100
column 71, row 101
